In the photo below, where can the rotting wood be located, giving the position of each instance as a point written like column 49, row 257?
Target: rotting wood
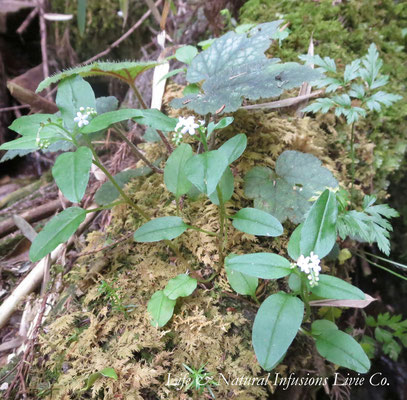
column 33, row 215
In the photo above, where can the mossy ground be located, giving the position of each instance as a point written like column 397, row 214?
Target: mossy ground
column 210, row 327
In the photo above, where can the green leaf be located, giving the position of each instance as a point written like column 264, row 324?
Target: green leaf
column 153, row 118
column 234, row 148
column 293, row 247
column 160, row 308
column 50, row 133
column 223, row 123
column 106, row 372
column 275, row 327
column 375, row 101
column 174, row 171
column 180, row 286
column 226, row 186
column 192, row 88
column 351, row 71
column 206, row 170
column 186, row 54
column 107, row 193
column 58, row 230
column 342, row 349
column 157, row 120
column 370, row 224
column 71, row 173
column 257, row 222
column 235, row 67
column 241, row 283
column 109, row 373
column 322, row 105
column 260, row 265
column 318, row 233
column 164, row 228
column 326, row 63
column 106, row 104
column 331, row 287
column 28, row 125
column 81, row 16
column 124, row 8
column 74, row 92
column 123, row 70
column 322, row 325
column 285, row 193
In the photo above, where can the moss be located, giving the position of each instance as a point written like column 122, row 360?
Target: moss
column 344, row 32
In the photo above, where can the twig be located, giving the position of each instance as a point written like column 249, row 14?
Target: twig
column 284, row 103
column 121, row 38
column 32, row 280
column 43, row 33
column 32, row 215
column 154, row 10
column 13, row 108
column 137, row 152
column 88, row 253
column 27, row 21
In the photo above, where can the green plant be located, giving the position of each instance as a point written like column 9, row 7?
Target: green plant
column 200, row 380
column 110, row 293
column 390, row 332
column 234, row 67
column 357, row 91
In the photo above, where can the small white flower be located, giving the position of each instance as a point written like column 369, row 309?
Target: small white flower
column 82, row 116
column 187, row 125
column 310, row 266
column 4, row 386
column 81, row 119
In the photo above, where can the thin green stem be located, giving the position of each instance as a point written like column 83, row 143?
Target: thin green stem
column 381, row 267
column 222, row 237
column 106, row 207
column 305, row 298
column 126, row 198
column 352, row 154
column 305, row 332
column 211, row 278
column 195, row 228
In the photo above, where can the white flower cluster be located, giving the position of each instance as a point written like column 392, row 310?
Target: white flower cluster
column 82, row 116
column 186, row 125
column 310, row 266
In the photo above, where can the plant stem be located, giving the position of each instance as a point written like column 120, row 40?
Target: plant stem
column 106, row 207
column 352, row 154
column 144, row 105
column 305, row 298
column 137, row 152
column 195, row 228
column 222, row 236
column 126, row 198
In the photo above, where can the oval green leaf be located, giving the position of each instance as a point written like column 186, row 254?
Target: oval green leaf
column 165, row 228
column 56, row 231
column 242, row 283
column 180, row 286
column 71, row 173
column 186, row 54
column 260, row 265
column 293, row 247
column 275, row 327
column 206, row 170
column 160, row 308
column 109, row 373
column 234, row 148
column 318, row 233
column 331, row 287
column 342, row 349
column 257, row 222
column 174, row 171
column 73, row 93
column 103, row 121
